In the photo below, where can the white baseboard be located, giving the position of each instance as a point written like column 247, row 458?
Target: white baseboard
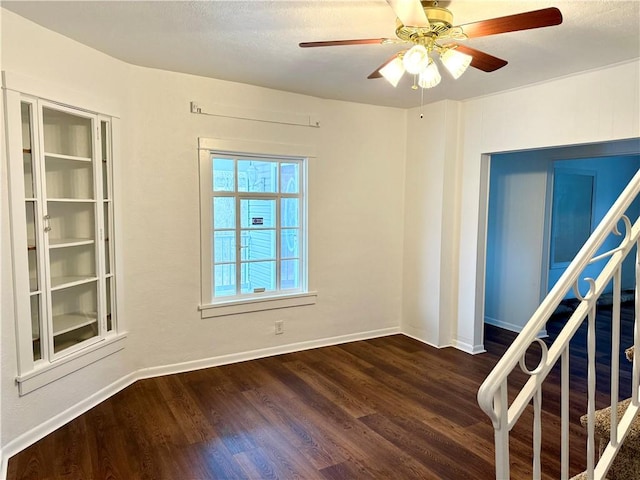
column 426, row 342
column 468, row 348
column 511, row 326
column 261, row 353
column 28, row 438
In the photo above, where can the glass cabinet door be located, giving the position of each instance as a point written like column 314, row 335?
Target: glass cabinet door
column 70, row 192
column 34, row 232
column 109, row 320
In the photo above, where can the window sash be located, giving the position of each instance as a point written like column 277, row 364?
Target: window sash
column 240, row 262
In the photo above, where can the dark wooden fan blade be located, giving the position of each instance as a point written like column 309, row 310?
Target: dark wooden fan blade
column 376, row 73
column 333, row 43
column 410, row 12
column 513, row 23
column 482, row 61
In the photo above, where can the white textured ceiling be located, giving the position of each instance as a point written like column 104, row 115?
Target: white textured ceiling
column 256, row 42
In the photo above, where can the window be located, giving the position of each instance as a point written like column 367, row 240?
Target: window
column 254, row 230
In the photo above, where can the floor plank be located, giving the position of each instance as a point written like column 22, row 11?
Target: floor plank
column 389, row 407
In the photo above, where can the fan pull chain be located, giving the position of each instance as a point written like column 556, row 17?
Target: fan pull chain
column 421, row 102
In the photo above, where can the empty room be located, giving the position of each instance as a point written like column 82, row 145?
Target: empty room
column 262, row 239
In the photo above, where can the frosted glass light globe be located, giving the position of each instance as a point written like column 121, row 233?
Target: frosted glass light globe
column 456, row 62
column 416, row 59
column 430, row 77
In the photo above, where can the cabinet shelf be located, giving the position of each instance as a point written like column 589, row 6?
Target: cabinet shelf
column 72, row 321
column 26, row 150
column 71, row 200
column 60, row 156
column 58, row 283
column 69, row 242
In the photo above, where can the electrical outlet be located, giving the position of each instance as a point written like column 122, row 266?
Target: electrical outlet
column 279, row 327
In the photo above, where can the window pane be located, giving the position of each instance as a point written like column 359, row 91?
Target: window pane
column 224, row 212
column 109, row 310
column 224, row 247
column 257, row 213
column 35, row 327
column 107, row 253
column 32, row 255
column 290, row 212
column 224, row 280
column 258, row 276
column 258, row 245
column 256, row 176
column 290, row 274
column 27, row 153
column 223, row 175
column 257, row 218
column 289, row 245
column 289, row 173
column 104, row 132
column 74, row 318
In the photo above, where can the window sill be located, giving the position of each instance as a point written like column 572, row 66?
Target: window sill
column 234, row 307
column 48, row 373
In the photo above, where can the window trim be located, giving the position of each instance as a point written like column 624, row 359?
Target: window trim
column 261, row 301
column 247, row 305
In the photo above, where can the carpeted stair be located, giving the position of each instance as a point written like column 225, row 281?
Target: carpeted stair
column 626, row 465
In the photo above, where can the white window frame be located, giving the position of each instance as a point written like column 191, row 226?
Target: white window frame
column 210, row 306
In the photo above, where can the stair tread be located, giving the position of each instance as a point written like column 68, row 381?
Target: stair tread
column 582, row 476
column 603, row 424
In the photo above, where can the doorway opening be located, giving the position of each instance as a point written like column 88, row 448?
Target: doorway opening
column 526, row 252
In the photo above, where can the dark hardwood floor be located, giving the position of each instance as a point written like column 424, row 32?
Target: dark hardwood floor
column 388, row 408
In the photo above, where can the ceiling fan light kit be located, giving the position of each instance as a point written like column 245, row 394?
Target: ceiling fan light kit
column 393, row 71
column 416, row 59
column 455, row 62
column 429, row 29
column 430, row 76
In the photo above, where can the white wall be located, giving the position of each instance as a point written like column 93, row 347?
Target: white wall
column 598, row 106
column 355, row 218
column 515, row 238
column 355, row 232
column 431, row 221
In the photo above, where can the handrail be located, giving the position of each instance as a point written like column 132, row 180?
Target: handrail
column 492, row 395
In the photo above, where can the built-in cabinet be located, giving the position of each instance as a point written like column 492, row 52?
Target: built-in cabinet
column 61, row 184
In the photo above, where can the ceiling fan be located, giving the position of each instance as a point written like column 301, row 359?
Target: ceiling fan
column 429, row 29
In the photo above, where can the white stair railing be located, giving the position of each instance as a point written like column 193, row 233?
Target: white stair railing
column 493, row 395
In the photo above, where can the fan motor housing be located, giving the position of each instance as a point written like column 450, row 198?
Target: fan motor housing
column 438, row 15
column 440, row 21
